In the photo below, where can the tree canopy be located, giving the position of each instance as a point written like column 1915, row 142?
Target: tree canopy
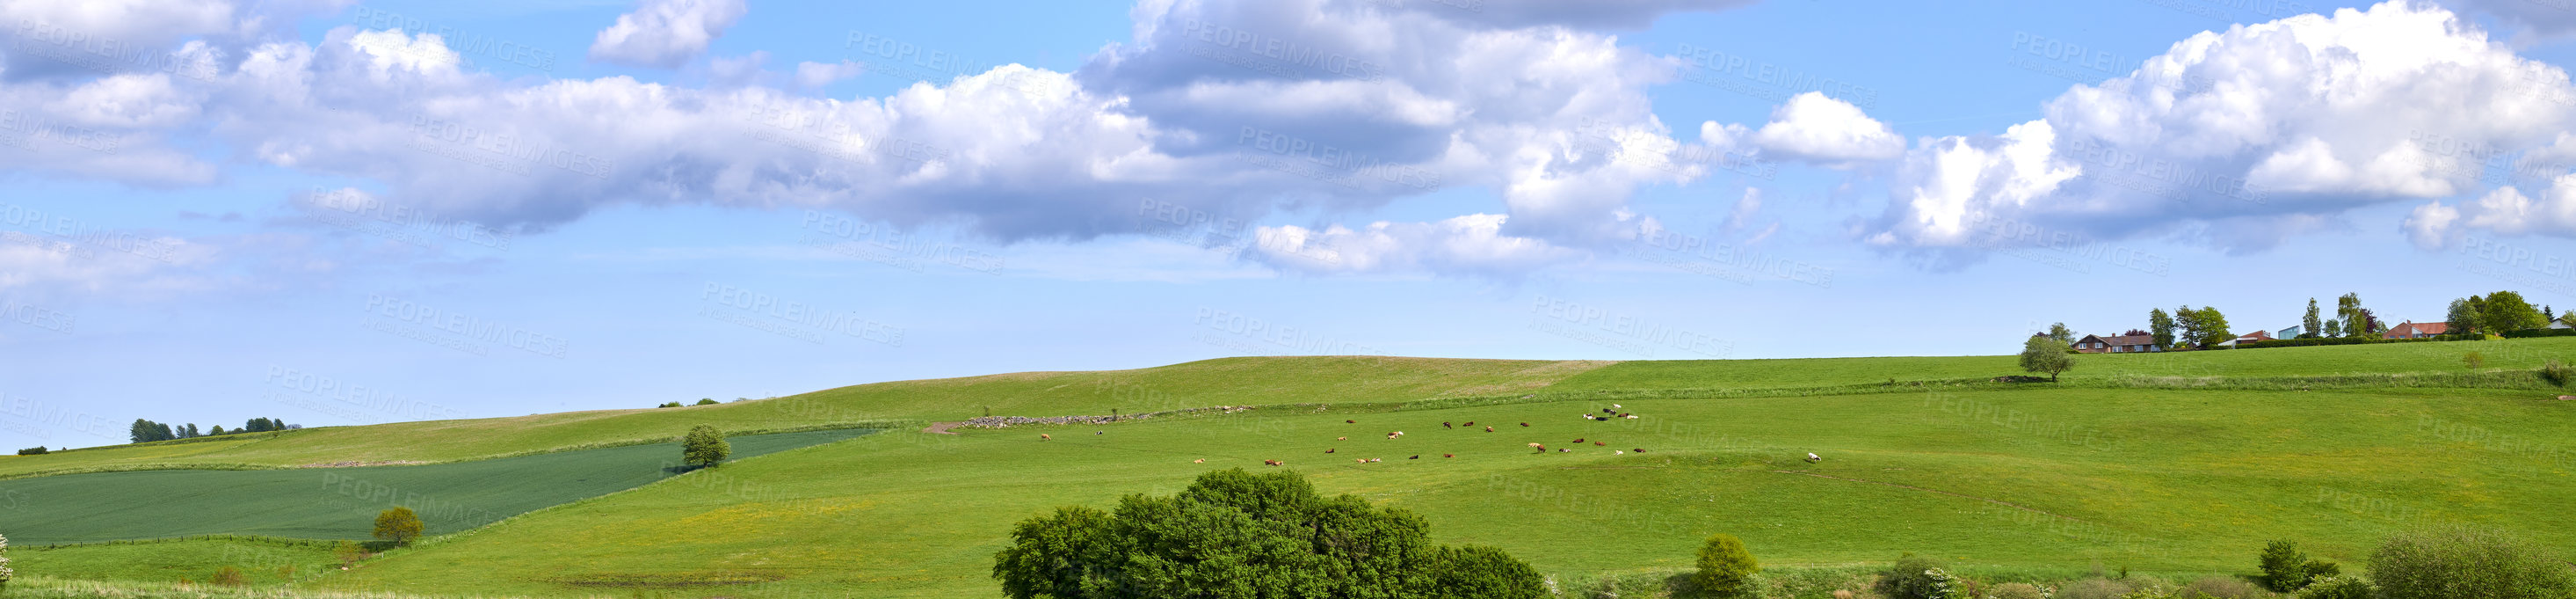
column 2042, row 354
column 1234, row 534
column 2162, row 325
column 704, row 446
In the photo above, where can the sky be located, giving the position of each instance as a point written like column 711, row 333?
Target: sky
column 336, row 213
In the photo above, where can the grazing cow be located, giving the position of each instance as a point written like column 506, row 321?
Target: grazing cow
column 1445, row 424
column 1632, row 417
column 1099, row 432
column 1640, row 450
column 1599, row 443
column 1448, row 455
column 1614, row 405
column 1270, row 462
column 1341, row 438
column 1352, row 421
column 1524, row 424
column 1578, row 440
column 1360, row 460
column 1813, row 458
column 1471, row 423
column 1328, row 450
column 1044, row 437
column 1617, row 452
column 1564, row 450
column 1540, row 448
column 1489, row 429
column 1415, row 457
column 1199, row 461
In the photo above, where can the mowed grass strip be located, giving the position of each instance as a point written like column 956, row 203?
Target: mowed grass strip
column 2178, row 481
column 338, row 503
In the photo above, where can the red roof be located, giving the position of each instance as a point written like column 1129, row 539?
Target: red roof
column 2411, row 328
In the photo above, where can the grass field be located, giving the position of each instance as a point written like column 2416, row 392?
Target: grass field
column 339, row 503
column 2103, row 469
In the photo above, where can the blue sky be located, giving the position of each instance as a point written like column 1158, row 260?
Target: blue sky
column 337, row 213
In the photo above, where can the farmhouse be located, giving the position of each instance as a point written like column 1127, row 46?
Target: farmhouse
column 2116, row 344
column 2417, row 330
column 2247, row 338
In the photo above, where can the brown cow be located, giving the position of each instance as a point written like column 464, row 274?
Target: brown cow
column 1043, row 437
column 1489, row 429
column 1270, row 462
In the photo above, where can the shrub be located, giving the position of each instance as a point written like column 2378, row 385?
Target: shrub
column 2095, row 588
column 704, row 447
column 669, row 404
column 349, row 553
column 2454, row 562
column 1479, row 571
column 229, row 576
column 707, row 402
column 2222, row 588
column 1917, row 578
column 399, row 525
column 2015, row 590
column 2475, row 360
column 37, row 450
column 1725, row 568
column 2556, row 372
column 2337, row 587
column 1238, row 534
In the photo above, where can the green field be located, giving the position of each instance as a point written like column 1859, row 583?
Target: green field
column 2179, row 463
column 340, row 503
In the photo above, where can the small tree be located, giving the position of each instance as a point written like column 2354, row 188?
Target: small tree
column 2284, row 568
column 1725, row 568
column 399, row 525
column 704, row 447
column 2042, row 354
column 2162, row 325
column 2309, row 325
column 2465, row 316
column 349, row 553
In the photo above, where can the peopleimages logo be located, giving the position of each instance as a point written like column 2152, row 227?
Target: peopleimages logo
column 460, row 327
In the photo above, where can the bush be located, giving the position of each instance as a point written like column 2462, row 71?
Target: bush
column 1725, row 568
column 2475, row 360
column 37, row 450
column 2096, row 588
column 669, row 404
column 2285, row 569
column 399, row 525
column 1237, row 534
column 2015, row 590
column 1918, row 578
column 229, row 576
column 2556, row 372
column 707, row 402
column 2453, row 562
column 704, row 447
column 2222, row 588
column 2337, row 587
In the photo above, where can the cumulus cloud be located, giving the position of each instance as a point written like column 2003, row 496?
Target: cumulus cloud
column 2548, row 19
column 665, row 33
column 1816, row 128
column 2261, row 131
column 1473, row 243
column 2504, row 211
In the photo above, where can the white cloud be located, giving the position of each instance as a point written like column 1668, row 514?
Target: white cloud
column 2504, row 211
column 2263, row 130
column 1473, row 243
column 665, row 33
column 1824, row 130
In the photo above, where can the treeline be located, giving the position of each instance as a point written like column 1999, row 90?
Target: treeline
column 146, row 431
column 2499, row 313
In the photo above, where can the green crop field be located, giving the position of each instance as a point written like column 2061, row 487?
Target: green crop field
column 2179, row 463
column 339, row 503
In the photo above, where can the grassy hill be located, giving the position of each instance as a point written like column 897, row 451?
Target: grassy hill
column 2182, row 462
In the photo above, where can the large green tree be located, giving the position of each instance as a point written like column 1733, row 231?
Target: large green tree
column 704, row 446
column 1237, row 534
column 2042, row 354
column 2213, row 327
column 2161, row 325
column 2506, row 312
column 2188, row 320
column 2466, row 316
column 399, row 525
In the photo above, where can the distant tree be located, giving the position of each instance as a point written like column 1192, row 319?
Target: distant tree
column 2370, row 325
column 217, row 430
column 2062, row 334
column 2163, row 326
column 2188, row 320
column 2134, row 333
column 37, row 450
column 1725, row 568
column 191, row 432
column 2334, row 328
column 2309, row 326
column 706, row 402
column 2506, row 312
column 2568, row 317
column 2356, row 323
column 146, row 431
column 2465, row 317
column 2213, row 327
column 704, row 447
column 399, row 525
column 2042, row 354
column 669, row 404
